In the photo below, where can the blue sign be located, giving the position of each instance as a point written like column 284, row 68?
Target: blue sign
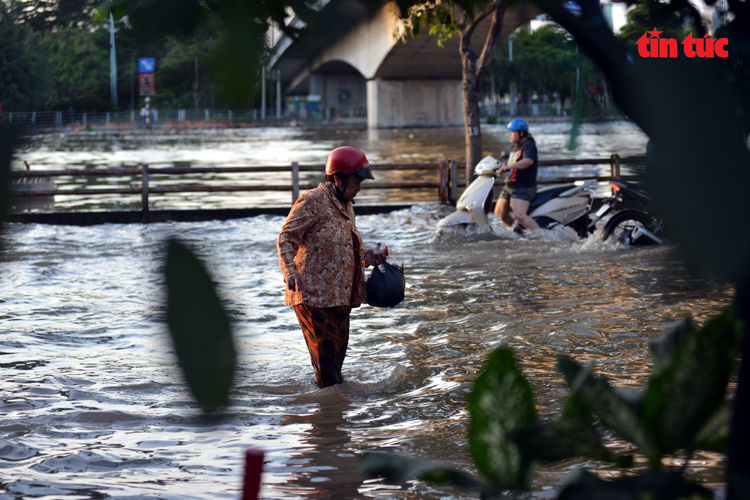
column 573, row 8
column 146, row 65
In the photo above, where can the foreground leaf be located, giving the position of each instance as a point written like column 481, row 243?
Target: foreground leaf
column 399, row 469
column 594, row 395
column 660, row 485
column 714, row 435
column 564, row 439
column 664, row 350
column 501, row 401
column 691, row 381
column 199, row 327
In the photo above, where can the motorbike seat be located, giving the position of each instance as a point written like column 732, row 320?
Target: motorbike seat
column 544, row 196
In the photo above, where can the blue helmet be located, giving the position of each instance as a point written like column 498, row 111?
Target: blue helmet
column 518, row 124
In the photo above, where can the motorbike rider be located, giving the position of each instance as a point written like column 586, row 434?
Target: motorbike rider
column 520, row 186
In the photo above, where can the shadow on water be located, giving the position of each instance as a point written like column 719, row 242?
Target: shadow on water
column 324, row 463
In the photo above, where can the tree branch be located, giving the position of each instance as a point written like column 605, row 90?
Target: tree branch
column 491, row 40
column 469, row 24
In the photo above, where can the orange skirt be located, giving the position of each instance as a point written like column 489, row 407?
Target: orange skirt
column 326, row 331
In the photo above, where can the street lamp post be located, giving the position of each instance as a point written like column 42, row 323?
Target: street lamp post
column 263, row 92
column 512, row 83
column 112, row 62
column 277, row 76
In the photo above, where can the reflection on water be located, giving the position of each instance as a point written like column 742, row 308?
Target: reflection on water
column 93, row 405
column 282, row 146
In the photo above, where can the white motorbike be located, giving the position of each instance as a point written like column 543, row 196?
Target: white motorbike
column 562, row 204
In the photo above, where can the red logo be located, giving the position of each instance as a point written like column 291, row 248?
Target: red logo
column 652, row 45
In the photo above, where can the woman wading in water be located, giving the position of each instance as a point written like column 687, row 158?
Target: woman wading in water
column 323, row 261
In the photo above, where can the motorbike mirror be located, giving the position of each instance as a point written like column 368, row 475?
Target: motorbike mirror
column 504, row 156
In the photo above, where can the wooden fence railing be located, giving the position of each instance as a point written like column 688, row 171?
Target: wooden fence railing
column 40, row 183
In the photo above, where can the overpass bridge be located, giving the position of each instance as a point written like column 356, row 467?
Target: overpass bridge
column 350, row 58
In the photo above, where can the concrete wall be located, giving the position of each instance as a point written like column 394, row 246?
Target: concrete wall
column 342, row 92
column 407, row 103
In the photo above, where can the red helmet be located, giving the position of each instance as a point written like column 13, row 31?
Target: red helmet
column 348, row 160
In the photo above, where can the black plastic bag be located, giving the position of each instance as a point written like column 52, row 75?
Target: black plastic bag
column 385, row 285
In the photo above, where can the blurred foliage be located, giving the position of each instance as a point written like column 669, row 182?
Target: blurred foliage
column 673, row 20
column 545, row 62
column 501, row 402
column 440, row 18
column 435, row 17
column 79, row 62
column 50, row 15
column 55, row 53
column 236, row 30
column 681, row 409
column 200, row 328
column 652, row 485
column 24, row 79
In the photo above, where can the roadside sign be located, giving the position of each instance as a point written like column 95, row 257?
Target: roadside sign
column 146, row 75
column 146, row 65
column 146, row 84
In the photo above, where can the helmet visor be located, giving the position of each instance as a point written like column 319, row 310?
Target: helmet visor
column 364, row 172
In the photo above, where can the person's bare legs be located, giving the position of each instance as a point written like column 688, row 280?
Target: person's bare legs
column 520, row 212
column 502, row 210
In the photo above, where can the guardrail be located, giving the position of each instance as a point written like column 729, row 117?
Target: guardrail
column 447, row 182
column 170, row 118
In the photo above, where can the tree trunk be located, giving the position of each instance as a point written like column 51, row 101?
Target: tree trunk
column 472, row 125
column 474, row 67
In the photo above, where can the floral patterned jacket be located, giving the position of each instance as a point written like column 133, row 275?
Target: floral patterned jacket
column 318, row 240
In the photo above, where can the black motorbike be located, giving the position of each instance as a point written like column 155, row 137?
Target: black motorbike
column 631, row 221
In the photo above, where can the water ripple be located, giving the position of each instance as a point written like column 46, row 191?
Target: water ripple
column 94, row 405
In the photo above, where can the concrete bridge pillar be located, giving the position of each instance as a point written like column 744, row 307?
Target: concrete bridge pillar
column 414, row 102
column 341, row 94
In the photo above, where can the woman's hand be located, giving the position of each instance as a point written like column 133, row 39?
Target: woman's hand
column 295, row 281
column 374, row 259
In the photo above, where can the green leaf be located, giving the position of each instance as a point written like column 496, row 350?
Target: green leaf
column 563, row 439
column 662, row 485
column 664, row 350
column 714, row 435
column 501, row 401
column 200, row 328
column 594, row 395
column 694, row 370
column 399, row 469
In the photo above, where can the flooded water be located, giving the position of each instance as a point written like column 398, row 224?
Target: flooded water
column 93, row 404
column 261, row 147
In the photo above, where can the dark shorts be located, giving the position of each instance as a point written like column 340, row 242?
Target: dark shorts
column 521, row 193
